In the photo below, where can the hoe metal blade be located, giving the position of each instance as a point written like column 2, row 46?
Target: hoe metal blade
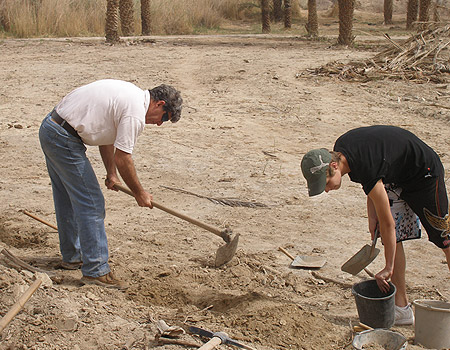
column 226, row 252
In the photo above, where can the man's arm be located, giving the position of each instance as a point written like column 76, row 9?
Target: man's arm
column 125, row 165
column 380, row 201
column 107, row 153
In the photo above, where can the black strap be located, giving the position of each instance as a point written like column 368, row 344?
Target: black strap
column 56, row 117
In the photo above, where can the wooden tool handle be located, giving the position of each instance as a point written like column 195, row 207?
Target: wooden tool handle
column 211, row 344
column 19, row 304
column 281, row 249
column 178, row 214
column 370, row 273
column 40, row 220
column 23, row 264
column 365, row 326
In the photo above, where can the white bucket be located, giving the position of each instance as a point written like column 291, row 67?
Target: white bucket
column 432, row 325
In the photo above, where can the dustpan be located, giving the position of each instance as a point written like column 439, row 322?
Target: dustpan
column 363, row 258
column 305, row 261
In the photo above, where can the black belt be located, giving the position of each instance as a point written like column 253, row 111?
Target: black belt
column 55, row 116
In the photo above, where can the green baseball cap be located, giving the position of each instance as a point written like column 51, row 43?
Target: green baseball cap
column 314, row 168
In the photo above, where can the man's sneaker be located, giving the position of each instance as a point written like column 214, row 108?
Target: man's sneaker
column 70, row 265
column 108, row 281
column 404, row 315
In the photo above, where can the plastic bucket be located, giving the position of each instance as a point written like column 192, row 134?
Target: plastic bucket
column 384, row 338
column 375, row 308
column 432, row 325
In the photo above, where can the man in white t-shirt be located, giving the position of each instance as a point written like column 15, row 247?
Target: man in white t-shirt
column 110, row 114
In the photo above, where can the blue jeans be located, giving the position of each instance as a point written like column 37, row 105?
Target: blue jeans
column 78, row 199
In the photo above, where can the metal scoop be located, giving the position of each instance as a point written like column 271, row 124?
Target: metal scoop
column 304, row 261
column 363, row 258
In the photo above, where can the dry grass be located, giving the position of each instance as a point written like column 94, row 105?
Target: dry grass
column 61, row 18
column 27, row 18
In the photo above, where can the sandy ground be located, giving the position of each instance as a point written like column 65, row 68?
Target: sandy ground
column 250, row 114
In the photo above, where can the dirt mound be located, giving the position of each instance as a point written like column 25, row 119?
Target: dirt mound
column 248, row 118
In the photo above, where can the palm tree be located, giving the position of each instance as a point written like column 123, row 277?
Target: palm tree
column 126, row 9
column 312, row 26
column 265, row 13
column 388, row 5
column 346, row 8
column 411, row 13
column 112, row 21
column 277, row 10
column 424, row 13
column 287, row 14
column 145, row 17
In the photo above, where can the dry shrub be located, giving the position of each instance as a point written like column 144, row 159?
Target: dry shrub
column 237, row 9
column 26, row 18
column 182, row 16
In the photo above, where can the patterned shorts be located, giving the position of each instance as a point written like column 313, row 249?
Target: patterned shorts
column 407, row 223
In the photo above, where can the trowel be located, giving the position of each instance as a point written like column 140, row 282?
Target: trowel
column 363, row 258
column 304, row 261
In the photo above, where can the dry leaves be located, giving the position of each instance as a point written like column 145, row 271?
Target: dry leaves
column 425, row 57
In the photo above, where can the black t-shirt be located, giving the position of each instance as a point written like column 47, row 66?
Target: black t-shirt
column 390, row 153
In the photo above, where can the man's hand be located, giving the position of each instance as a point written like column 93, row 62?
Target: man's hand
column 110, row 181
column 144, row 199
column 382, row 279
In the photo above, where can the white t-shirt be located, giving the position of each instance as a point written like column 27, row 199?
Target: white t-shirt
column 106, row 112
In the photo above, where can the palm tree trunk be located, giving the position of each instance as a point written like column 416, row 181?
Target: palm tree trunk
column 145, row 17
column 112, row 21
column 424, row 13
column 346, row 8
column 287, row 14
column 312, row 27
column 411, row 13
column 126, row 10
column 277, row 10
column 388, row 9
column 265, row 16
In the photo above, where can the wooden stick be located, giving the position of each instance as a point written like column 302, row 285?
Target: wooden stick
column 23, row 264
column 364, row 326
column 327, row 279
column 386, row 35
column 370, row 273
column 19, row 304
column 162, row 340
column 40, row 220
column 441, row 295
column 211, row 344
column 281, row 249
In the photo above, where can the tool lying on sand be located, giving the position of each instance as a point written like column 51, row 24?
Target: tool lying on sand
column 40, row 220
column 225, row 253
column 23, row 264
column 217, row 338
column 19, row 304
column 363, row 258
column 304, row 261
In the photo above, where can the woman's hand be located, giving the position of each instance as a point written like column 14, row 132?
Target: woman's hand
column 382, row 279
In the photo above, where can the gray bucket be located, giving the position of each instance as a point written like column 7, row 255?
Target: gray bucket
column 384, row 338
column 375, row 308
